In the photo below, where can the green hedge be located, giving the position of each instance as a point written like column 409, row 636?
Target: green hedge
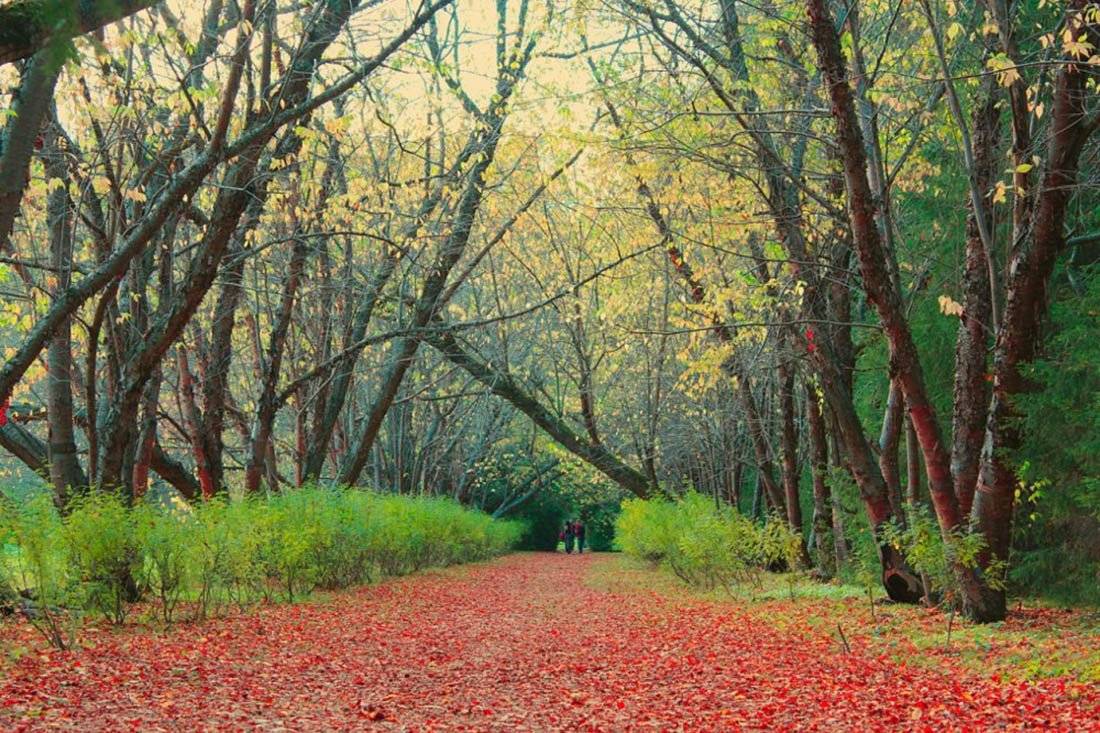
column 104, row 556
column 704, row 545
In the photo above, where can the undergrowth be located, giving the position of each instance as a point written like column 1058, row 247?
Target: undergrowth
column 103, row 557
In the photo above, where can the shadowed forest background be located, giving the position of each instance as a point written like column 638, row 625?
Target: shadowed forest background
column 824, row 274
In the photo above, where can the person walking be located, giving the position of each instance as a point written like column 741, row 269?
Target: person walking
column 568, row 532
column 578, row 533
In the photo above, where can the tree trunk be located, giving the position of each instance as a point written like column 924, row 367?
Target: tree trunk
column 341, row 380
column 1018, row 339
column 904, row 361
column 66, row 473
column 502, row 385
column 146, row 440
column 28, row 111
column 26, row 26
column 267, row 406
column 789, row 437
column 912, row 467
column 431, row 294
column 207, row 485
column 840, row 540
column 971, row 398
column 209, row 440
column 819, row 469
column 888, row 443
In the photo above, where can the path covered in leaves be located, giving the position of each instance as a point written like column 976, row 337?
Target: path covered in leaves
column 524, row 643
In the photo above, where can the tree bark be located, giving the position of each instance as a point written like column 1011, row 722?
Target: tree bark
column 209, row 436
column 888, row 443
column 207, row 485
column 912, row 467
column 146, row 438
column 971, row 398
column 172, row 471
column 28, row 25
column 503, row 385
column 28, row 111
column 1025, row 305
column 881, row 291
column 819, row 470
column 789, row 438
column 66, row 473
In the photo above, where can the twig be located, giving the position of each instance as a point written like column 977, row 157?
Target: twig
column 843, row 640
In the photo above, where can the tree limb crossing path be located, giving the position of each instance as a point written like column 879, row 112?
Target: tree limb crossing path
column 533, row 642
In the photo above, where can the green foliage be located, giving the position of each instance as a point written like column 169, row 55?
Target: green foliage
column 922, row 544
column 341, row 550
column 32, row 558
column 101, row 539
column 599, row 523
column 543, row 516
column 104, row 555
column 702, row 544
column 864, row 568
column 166, row 538
column 1058, row 520
column 228, row 540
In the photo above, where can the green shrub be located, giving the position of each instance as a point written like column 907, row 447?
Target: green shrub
column 104, row 553
column 165, row 540
column 924, row 548
column 33, row 562
column 102, row 545
column 295, row 528
column 702, row 544
column 228, row 539
column 341, row 549
column 645, row 528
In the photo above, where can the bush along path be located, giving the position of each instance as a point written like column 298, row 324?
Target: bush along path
column 528, row 642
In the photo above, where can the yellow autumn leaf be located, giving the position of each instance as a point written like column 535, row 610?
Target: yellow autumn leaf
column 1078, row 47
column 1004, row 68
column 336, row 125
column 949, row 307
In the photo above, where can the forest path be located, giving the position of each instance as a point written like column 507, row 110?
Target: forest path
column 529, row 642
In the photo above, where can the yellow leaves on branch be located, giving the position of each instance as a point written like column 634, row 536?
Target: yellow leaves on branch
column 1006, row 71
column 1076, row 46
column 337, row 126
column 949, row 307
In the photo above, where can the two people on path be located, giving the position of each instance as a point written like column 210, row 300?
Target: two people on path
column 572, row 534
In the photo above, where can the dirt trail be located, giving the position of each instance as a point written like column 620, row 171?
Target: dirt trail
column 518, row 644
